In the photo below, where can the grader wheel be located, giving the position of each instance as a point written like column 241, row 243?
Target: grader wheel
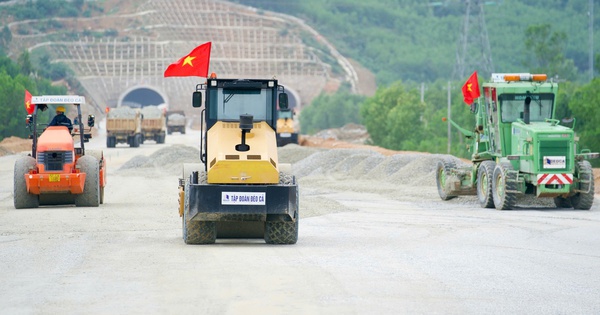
column 584, row 199
column 504, row 186
column 485, row 175
column 444, row 169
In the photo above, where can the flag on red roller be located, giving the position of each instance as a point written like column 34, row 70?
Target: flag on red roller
column 28, row 106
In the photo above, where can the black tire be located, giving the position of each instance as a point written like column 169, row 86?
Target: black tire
column 111, row 142
column 137, row 140
column 443, row 169
column 504, row 186
column 284, row 232
column 21, row 198
column 485, row 174
column 562, row 202
column 91, row 191
column 197, row 232
column 583, row 200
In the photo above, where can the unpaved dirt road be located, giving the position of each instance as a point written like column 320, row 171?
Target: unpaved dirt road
column 374, row 239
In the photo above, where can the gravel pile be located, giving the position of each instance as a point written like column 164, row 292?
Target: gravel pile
column 293, row 153
column 122, row 112
column 402, row 177
column 176, row 119
column 152, row 112
column 352, row 133
column 417, row 168
column 167, row 160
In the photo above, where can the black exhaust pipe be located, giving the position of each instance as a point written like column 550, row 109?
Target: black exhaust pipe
column 526, row 110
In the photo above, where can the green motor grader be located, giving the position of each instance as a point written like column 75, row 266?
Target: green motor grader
column 519, row 147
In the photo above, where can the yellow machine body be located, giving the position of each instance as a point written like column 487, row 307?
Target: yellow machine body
column 228, row 166
column 285, row 125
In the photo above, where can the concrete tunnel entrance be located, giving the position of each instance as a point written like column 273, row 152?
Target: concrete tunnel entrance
column 140, row 96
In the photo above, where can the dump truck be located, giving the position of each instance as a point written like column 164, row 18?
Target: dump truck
column 286, row 129
column 176, row 121
column 239, row 190
column 59, row 169
column 123, row 125
column 153, row 124
column 519, row 147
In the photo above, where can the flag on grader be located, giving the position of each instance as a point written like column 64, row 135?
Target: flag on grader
column 471, row 89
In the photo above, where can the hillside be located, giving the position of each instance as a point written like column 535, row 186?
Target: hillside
column 416, row 40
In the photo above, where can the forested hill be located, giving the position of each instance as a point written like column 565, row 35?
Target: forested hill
column 415, row 40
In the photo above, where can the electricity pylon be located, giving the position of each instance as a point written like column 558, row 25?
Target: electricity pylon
column 473, row 50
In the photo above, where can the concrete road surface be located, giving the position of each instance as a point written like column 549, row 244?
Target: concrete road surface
column 366, row 246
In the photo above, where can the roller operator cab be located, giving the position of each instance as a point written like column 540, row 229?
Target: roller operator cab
column 240, row 190
column 59, row 169
column 519, row 147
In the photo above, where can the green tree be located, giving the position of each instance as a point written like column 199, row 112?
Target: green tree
column 584, row 106
column 331, row 111
column 547, row 48
column 393, row 117
column 12, row 97
column 25, row 63
column 5, row 39
column 564, row 96
column 12, row 116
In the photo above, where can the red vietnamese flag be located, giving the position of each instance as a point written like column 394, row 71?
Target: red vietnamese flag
column 471, row 89
column 28, row 106
column 193, row 64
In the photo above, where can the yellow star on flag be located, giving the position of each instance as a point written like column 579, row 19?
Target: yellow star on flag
column 28, row 104
column 188, row 60
column 469, row 87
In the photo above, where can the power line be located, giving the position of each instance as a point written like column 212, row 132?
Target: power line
column 473, row 50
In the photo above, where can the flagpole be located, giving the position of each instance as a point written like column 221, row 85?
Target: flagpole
column 449, row 118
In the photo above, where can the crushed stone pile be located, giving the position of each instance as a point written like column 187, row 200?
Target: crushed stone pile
column 367, row 164
column 292, row 153
column 122, row 112
column 167, row 160
column 406, row 176
column 151, row 112
column 176, row 119
column 351, row 133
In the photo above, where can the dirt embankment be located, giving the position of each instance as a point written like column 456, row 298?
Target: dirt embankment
column 12, row 145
